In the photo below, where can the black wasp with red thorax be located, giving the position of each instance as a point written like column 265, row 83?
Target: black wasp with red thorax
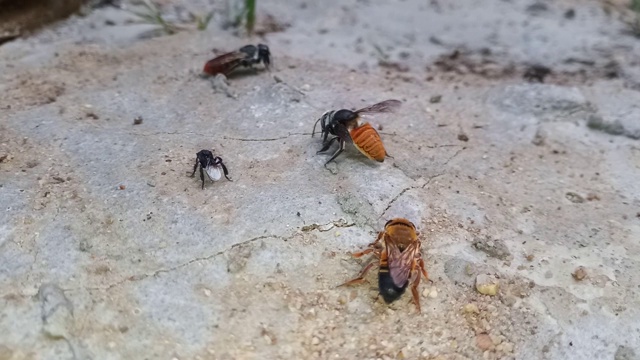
column 247, row 56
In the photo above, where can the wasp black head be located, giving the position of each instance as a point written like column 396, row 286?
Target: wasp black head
column 264, row 54
column 323, row 120
column 389, row 291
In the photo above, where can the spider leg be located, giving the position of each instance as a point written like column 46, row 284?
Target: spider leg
column 226, row 172
column 195, row 167
column 342, row 144
column 326, row 145
column 202, row 177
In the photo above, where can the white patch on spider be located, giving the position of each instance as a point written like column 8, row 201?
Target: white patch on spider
column 214, row 172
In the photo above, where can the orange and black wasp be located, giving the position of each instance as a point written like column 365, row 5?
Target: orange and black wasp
column 246, row 56
column 397, row 249
column 345, row 126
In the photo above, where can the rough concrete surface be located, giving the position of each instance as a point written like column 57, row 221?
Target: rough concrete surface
column 109, row 250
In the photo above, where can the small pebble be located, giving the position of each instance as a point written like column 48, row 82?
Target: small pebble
column 483, row 341
column 471, row 309
column 137, row 120
column 580, row 273
column 487, row 284
column 433, row 293
column 315, row 341
column 507, row 347
column 122, row 187
column 574, row 197
column 497, row 340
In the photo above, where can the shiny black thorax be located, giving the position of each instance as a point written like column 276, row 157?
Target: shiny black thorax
column 389, row 291
column 206, row 158
column 256, row 55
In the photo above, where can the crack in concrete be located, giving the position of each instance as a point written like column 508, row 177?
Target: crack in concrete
column 139, row 277
column 412, row 142
column 341, row 223
column 407, row 189
column 217, row 139
column 322, row 227
column 265, row 139
column 426, row 183
column 454, row 155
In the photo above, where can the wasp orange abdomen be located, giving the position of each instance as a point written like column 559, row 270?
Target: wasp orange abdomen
column 367, row 140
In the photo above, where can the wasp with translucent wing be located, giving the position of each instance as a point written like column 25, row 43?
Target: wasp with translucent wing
column 345, row 127
column 397, row 249
column 212, row 165
column 246, row 56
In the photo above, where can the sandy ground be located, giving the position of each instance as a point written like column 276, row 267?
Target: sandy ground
column 109, row 250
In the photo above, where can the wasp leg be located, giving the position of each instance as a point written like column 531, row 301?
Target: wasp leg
column 424, row 272
column 202, row 177
column 326, row 145
column 414, row 290
column 377, row 242
column 335, row 155
column 195, row 167
column 226, row 173
column 362, row 253
column 360, row 278
column 325, row 135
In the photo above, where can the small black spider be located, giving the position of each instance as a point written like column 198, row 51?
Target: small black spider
column 536, row 73
column 211, row 164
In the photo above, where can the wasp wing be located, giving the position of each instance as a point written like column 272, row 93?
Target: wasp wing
column 224, row 63
column 214, row 172
column 381, row 107
column 400, row 262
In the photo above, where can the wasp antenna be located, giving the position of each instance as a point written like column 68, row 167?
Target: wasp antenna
column 314, row 127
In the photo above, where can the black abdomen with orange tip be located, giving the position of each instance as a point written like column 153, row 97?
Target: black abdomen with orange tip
column 388, row 289
column 367, row 140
